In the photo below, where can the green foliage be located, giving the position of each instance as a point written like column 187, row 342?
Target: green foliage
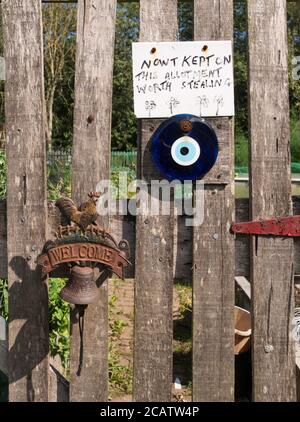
column 185, row 21
column 295, row 139
column 3, row 298
column 182, row 332
column 58, row 318
column 59, row 179
column 183, row 323
column 241, row 81
column 241, row 149
column 59, row 322
column 294, row 50
column 118, row 191
column 124, row 126
column 62, row 18
column 120, row 375
column 184, row 292
column 117, row 327
column 59, row 28
column 3, row 172
column 112, row 304
column 240, row 67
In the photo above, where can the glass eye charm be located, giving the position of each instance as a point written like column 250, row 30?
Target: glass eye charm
column 185, row 151
column 184, row 147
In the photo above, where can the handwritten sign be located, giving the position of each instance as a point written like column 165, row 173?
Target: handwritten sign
column 183, row 77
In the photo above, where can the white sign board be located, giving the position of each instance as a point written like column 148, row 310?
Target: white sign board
column 183, row 77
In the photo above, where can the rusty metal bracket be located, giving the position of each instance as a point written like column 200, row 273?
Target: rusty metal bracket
column 281, row 226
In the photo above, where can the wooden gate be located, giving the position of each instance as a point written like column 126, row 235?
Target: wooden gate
column 213, row 254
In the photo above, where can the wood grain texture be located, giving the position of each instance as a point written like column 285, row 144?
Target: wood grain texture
column 26, row 200
column 213, row 253
column 123, row 227
column 213, row 299
column 90, row 164
column 270, row 195
column 153, row 332
column 221, row 173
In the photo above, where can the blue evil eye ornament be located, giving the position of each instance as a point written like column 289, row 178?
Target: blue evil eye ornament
column 184, row 147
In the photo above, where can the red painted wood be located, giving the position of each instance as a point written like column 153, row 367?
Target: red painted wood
column 283, row 226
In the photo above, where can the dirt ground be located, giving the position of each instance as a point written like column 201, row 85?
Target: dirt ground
column 122, row 310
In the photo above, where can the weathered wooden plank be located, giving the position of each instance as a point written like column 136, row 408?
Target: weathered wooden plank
column 154, row 248
column 213, row 253
column 26, row 200
column 182, row 250
column 270, row 195
column 213, row 300
column 90, row 164
column 221, row 173
column 121, row 1
column 123, row 227
column 58, row 385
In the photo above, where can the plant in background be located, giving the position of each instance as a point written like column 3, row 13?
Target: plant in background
column 58, row 317
column 117, row 191
column 116, row 326
column 124, row 126
column 241, row 149
column 120, row 375
column 295, row 139
column 3, row 172
column 184, row 292
column 59, row 322
column 182, row 332
column 3, row 298
column 59, row 28
column 59, row 179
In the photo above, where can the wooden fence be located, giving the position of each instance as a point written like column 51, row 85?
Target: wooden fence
column 212, row 247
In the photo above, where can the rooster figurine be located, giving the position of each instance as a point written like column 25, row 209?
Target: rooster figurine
column 84, row 216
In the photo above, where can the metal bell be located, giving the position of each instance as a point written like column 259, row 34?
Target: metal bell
column 81, row 288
